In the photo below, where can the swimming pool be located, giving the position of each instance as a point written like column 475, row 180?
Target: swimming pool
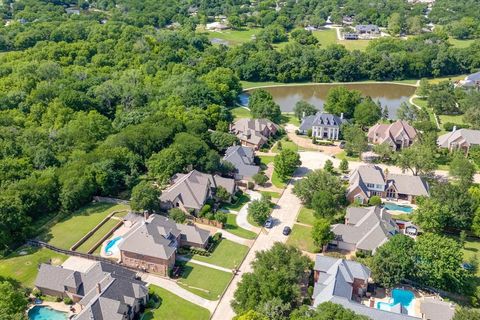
column 112, row 246
column 404, row 297
column 45, row 313
column 397, row 207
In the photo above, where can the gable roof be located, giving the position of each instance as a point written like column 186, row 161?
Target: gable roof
column 405, row 184
column 242, row 158
column 435, row 309
column 251, row 130
column 461, row 136
column 321, row 119
column 389, row 133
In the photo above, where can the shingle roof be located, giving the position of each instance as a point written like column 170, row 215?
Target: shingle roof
column 411, row 185
column 389, row 133
column 250, row 130
column 460, row 136
column 372, row 313
column 321, row 119
column 54, row 277
column 435, row 309
column 242, row 159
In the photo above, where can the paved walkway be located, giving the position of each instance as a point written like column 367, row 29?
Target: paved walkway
column 242, row 220
column 205, row 264
column 305, row 143
column 174, row 288
column 227, row 235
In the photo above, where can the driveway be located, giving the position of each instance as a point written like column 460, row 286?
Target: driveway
column 242, row 220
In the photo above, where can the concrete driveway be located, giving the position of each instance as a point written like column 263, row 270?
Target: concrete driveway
column 242, row 215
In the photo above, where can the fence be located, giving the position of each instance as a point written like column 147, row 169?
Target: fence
column 105, row 237
column 110, row 200
column 206, row 221
column 38, row 243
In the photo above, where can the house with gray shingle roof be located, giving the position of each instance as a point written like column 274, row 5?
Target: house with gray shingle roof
column 471, row 81
column 254, row 132
column 242, row 158
column 462, row 139
column 435, row 309
column 104, row 291
column 323, row 125
column 365, row 229
column 151, row 245
column 397, row 135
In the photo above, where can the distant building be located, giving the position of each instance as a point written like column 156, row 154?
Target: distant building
column 254, row 132
column 350, row 36
column 367, row 29
column 216, row 26
column 462, row 139
column 397, row 135
column 471, row 81
column 323, row 125
column 347, row 20
column 242, row 158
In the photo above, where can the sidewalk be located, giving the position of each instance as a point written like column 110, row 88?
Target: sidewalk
column 205, row 264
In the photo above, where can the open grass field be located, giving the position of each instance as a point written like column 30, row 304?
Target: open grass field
column 227, row 254
column 301, row 238
column 461, row 43
column 458, row 119
column 22, row 265
column 206, row 282
column 326, row 37
column 174, row 307
column 72, row 228
column 240, row 112
column 449, row 78
column 94, row 238
column 233, row 37
column 306, row 216
column 232, row 227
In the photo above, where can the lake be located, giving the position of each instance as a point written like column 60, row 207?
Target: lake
column 389, row 94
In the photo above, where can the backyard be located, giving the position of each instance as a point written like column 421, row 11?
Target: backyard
column 240, row 112
column 94, row 238
column 227, row 254
column 174, row 307
column 232, row 227
column 301, row 238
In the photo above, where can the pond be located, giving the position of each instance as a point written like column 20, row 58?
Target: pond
column 389, row 94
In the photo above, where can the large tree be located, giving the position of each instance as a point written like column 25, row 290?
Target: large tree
column 320, row 181
column 13, row 302
column 419, row 159
column 341, row 100
column 367, row 113
column 321, row 233
column 286, row 162
column 145, row 196
column 355, row 140
column 304, row 109
column 261, row 106
column 462, row 169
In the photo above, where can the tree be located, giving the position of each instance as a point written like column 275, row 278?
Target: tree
column 304, row 109
column 320, row 181
column 407, row 112
column 329, row 166
column 326, row 311
column 286, row 162
column 423, row 89
column 321, row 233
column 251, row 315
column 393, row 261
column 384, row 150
column 145, row 196
column 257, row 288
column 375, row 201
column 221, row 217
column 476, row 223
column 259, row 210
column 419, row 159
column 367, row 113
column 260, row 178
column 222, row 140
column 177, row 215
column 222, row 194
column 341, row 100
column 303, row 37
column 461, row 169
column 13, row 302
column 414, row 24
column 355, row 140
column 343, row 165
column 261, row 106
column 395, row 24
column 442, row 98
column 462, row 313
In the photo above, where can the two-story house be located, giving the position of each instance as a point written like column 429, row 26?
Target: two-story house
column 461, row 139
column 323, row 125
column 397, row 135
column 254, row 132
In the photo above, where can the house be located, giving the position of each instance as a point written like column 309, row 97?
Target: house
column 323, row 125
column 216, row 26
column 370, row 180
column 461, row 139
column 104, row 291
column 350, row 36
column 345, row 282
column 435, row 309
column 471, row 81
column 191, row 191
column 365, row 229
column 151, row 245
column 367, row 29
column 397, row 135
column 242, row 158
column 254, row 132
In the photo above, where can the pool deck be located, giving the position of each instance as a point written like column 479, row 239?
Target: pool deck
column 58, row 306
column 118, row 233
column 383, row 296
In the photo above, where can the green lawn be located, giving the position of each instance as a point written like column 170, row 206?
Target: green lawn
column 234, row 37
column 458, row 119
column 461, row 43
column 24, row 268
column 277, row 182
column 301, row 238
column 471, row 250
column 326, row 37
column 451, row 78
column 265, row 160
column 240, row 112
column 354, row 44
column 238, row 204
column 272, row 194
column 72, row 228
column 256, row 84
column 174, row 307
column 343, row 155
column 285, row 145
column 206, row 282
column 232, row 227
column 102, row 231
column 227, row 254
column 290, row 118
column 306, row 216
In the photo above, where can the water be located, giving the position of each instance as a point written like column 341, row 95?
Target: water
column 112, row 246
column 397, row 207
column 389, row 94
column 45, row 313
column 404, row 297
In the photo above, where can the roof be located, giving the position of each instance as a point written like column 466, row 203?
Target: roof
column 369, row 174
column 367, row 28
column 252, row 130
column 406, row 184
column 389, row 133
column 242, row 158
column 54, row 277
column 321, row 119
column 435, row 309
column 473, row 77
column 156, row 237
column 461, row 136
column 366, row 232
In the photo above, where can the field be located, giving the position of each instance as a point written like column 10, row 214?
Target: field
column 301, row 238
column 227, row 254
column 232, row 227
column 94, row 238
column 233, row 37
column 206, row 282
column 72, row 228
column 306, row 216
column 240, row 112
column 174, row 307
column 461, row 43
column 23, row 264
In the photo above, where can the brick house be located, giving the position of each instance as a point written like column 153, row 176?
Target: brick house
column 254, row 132
column 397, row 135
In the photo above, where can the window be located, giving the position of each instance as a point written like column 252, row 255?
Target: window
column 370, row 185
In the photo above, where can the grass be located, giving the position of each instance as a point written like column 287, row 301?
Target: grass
column 205, row 282
column 94, row 238
column 240, row 112
column 238, row 204
column 234, row 37
column 277, row 182
column 458, row 119
column 24, row 268
column 72, row 228
column 256, row 84
column 174, row 307
column 227, row 254
column 252, row 222
column 471, row 250
column 286, row 144
column 272, row 194
column 290, row 118
column 306, row 216
column 461, row 43
column 448, row 78
column 232, row 227
column 343, row 155
column 301, row 238
column 265, row 160
column 326, row 37
column 354, row 44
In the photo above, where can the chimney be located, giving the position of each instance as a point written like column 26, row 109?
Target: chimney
column 145, row 215
column 454, row 128
column 341, row 115
column 99, row 288
column 303, row 114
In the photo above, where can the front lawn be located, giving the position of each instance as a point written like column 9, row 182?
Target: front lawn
column 286, row 144
column 272, row 194
column 205, row 282
column 232, row 227
column 174, row 307
column 306, row 216
column 240, row 112
column 227, row 254
column 343, row 155
column 94, row 238
column 22, row 265
column 237, row 204
column 277, row 182
column 233, row 37
column 265, row 160
column 72, row 228
column 301, row 238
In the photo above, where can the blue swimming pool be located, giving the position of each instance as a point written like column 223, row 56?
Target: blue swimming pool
column 398, row 207
column 404, row 297
column 45, row 313
column 112, row 246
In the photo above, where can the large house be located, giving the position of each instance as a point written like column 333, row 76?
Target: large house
column 365, row 229
column 435, row 309
column 191, row 191
column 462, row 139
column 151, row 245
column 254, row 132
column 323, row 125
column 397, row 135
column 370, row 180
column 104, row 291
column 471, row 81
column 242, row 158
column 345, row 282
column 367, row 29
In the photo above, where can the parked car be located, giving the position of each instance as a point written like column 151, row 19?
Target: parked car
column 269, row 223
column 342, row 145
column 286, row 231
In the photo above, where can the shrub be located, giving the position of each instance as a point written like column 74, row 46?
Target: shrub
column 177, row 215
column 329, row 166
column 375, row 201
column 58, row 299
column 343, row 165
column 216, row 237
column 68, row 301
column 210, row 216
column 448, row 126
column 259, row 210
column 221, row 217
column 337, row 255
column 309, row 132
column 260, row 179
column 250, row 185
column 205, row 209
column 37, row 293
